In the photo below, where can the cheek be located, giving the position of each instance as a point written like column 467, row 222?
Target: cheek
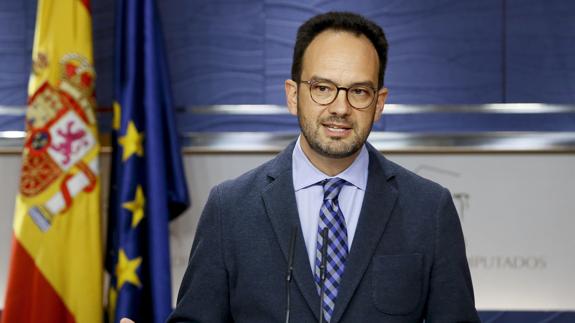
column 308, row 111
column 365, row 122
column 310, row 119
column 305, row 102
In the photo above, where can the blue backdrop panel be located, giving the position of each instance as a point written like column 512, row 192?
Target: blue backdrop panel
column 240, row 51
column 540, row 51
column 233, row 52
column 216, row 50
column 442, row 51
column 103, row 38
column 17, row 20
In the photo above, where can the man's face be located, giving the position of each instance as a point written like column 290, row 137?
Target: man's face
column 336, row 130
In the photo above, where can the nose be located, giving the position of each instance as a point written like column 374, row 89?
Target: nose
column 340, row 106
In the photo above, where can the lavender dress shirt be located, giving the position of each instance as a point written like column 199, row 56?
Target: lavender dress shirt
column 309, row 195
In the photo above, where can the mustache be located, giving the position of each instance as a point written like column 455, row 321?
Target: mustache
column 336, row 119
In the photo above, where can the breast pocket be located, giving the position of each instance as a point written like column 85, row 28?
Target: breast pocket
column 397, row 283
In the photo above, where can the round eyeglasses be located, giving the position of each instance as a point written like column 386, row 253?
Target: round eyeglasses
column 324, row 92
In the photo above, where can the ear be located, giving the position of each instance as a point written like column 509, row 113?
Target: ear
column 291, row 96
column 381, row 97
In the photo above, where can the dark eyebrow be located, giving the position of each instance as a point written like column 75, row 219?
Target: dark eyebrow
column 362, row 83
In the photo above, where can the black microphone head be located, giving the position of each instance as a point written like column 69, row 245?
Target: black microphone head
column 291, row 252
column 323, row 263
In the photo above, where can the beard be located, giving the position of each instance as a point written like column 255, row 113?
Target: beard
column 333, row 147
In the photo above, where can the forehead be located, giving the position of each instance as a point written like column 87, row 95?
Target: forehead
column 342, row 57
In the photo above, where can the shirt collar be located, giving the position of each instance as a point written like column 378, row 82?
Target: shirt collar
column 306, row 174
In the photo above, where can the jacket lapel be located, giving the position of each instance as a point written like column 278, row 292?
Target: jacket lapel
column 281, row 207
column 378, row 203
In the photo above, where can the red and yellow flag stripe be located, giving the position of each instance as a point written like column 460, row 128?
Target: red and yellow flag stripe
column 56, row 265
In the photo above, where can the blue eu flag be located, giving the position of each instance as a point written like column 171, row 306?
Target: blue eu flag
column 148, row 186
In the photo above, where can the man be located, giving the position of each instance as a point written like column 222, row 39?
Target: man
column 393, row 249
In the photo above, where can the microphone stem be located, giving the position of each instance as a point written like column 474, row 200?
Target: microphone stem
column 288, row 303
column 322, row 295
column 289, row 274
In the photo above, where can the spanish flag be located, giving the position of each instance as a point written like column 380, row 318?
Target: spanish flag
column 56, row 265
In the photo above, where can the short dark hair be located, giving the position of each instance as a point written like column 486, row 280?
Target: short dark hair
column 338, row 21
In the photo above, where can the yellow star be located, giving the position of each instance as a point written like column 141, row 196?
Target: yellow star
column 136, row 206
column 116, row 121
column 132, row 142
column 126, row 270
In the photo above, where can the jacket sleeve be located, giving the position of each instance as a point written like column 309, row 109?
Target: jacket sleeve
column 204, row 293
column 450, row 296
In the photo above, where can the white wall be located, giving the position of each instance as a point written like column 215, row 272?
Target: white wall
column 9, row 179
column 517, row 210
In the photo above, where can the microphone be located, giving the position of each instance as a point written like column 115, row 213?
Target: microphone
column 290, row 270
column 322, row 269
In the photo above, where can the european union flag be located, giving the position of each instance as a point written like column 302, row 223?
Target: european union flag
column 148, row 185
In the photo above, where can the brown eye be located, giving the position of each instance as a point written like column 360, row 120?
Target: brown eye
column 322, row 88
column 358, row 91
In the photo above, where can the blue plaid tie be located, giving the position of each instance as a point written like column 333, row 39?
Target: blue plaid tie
column 330, row 216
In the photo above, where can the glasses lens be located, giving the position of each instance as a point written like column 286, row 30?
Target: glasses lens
column 360, row 97
column 323, row 92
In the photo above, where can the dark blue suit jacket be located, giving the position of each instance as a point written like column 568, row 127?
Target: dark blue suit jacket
column 407, row 262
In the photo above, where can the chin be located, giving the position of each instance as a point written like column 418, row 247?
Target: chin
column 336, row 150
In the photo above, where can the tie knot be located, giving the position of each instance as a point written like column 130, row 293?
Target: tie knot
column 331, row 187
